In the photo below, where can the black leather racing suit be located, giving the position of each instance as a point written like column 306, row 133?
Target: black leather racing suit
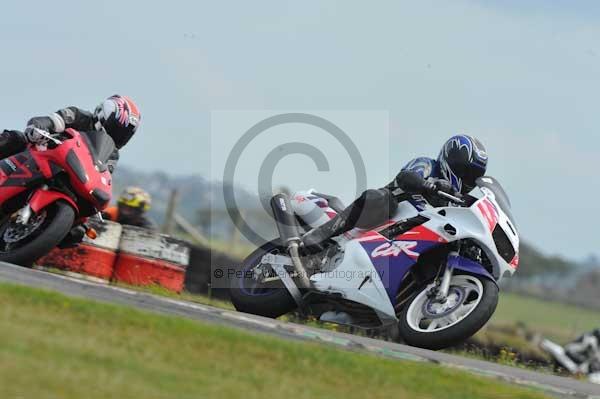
column 13, row 141
column 376, row 206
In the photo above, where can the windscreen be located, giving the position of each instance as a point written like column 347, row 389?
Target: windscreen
column 101, row 145
column 501, row 197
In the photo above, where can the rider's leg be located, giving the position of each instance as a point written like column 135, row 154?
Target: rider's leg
column 373, row 207
column 11, row 142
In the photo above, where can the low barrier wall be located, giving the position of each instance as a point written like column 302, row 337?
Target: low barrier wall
column 92, row 257
column 139, row 256
column 146, row 257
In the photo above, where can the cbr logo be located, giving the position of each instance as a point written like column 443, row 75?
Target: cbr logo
column 395, row 248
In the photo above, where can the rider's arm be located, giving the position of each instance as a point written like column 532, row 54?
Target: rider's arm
column 70, row 117
column 423, row 166
column 413, row 178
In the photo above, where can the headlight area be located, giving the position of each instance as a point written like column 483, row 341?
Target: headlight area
column 503, row 244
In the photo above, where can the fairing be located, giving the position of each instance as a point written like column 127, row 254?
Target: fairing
column 500, row 195
column 35, row 167
column 387, row 260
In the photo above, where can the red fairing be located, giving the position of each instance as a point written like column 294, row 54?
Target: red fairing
column 42, row 198
column 371, row 236
column 16, row 174
column 34, row 168
column 489, row 213
column 515, row 262
column 421, row 233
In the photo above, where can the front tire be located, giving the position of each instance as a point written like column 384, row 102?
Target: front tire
column 426, row 323
column 57, row 221
column 250, row 296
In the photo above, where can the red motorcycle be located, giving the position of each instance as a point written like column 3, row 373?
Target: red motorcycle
column 48, row 189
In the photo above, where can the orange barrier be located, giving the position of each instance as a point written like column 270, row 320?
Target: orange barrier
column 146, row 257
column 92, row 257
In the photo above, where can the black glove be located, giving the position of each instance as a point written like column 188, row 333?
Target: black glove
column 33, row 136
column 428, row 188
column 432, row 187
column 444, row 186
column 413, row 183
column 39, row 122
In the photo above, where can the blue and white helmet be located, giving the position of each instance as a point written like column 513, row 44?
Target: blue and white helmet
column 463, row 160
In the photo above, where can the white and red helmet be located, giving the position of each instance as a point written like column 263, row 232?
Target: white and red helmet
column 120, row 118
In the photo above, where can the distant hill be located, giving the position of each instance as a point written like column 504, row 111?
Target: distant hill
column 195, row 192
column 533, row 262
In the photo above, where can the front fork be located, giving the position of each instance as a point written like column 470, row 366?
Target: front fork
column 444, row 285
column 24, row 214
column 442, row 291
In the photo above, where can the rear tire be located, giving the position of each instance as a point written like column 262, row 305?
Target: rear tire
column 59, row 221
column 268, row 302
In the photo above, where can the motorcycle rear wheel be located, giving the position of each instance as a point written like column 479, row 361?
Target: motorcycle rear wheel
column 250, row 296
column 57, row 222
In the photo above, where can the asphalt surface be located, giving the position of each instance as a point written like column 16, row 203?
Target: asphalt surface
column 557, row 386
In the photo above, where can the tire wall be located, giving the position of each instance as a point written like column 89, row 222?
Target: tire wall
column 139, row 256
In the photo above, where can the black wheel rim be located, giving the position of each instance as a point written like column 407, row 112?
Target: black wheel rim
column 14, row 235
column 249, row 285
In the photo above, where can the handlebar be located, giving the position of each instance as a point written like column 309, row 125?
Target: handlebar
column 450, row 197
column 47, row 135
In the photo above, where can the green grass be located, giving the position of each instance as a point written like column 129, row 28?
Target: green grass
column 557, row 321
column 518, row 323
column 52, row 346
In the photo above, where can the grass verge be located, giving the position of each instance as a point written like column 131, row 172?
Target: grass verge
column 561, row 322
column 52, row 346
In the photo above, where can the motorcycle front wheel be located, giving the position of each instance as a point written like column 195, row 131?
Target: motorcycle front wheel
column 23, row 244
column 429, row 323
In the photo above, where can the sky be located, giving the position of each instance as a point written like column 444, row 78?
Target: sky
column 399, row 77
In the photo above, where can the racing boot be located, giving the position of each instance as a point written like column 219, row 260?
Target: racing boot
column 315, row 239
column 371, row 208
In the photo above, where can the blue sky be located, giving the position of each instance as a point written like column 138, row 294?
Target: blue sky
column 522, row 76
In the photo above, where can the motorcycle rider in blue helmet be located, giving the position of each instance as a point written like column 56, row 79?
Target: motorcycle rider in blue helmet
column 462, row 160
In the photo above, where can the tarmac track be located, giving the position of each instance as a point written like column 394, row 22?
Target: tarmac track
column 557, row 386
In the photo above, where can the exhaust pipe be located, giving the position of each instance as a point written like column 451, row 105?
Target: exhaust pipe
column 289, row 233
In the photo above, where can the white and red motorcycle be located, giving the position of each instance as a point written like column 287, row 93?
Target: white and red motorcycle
column 429, row 275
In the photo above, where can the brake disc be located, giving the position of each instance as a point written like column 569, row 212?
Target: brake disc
column 434, row 309
column 15, row 231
